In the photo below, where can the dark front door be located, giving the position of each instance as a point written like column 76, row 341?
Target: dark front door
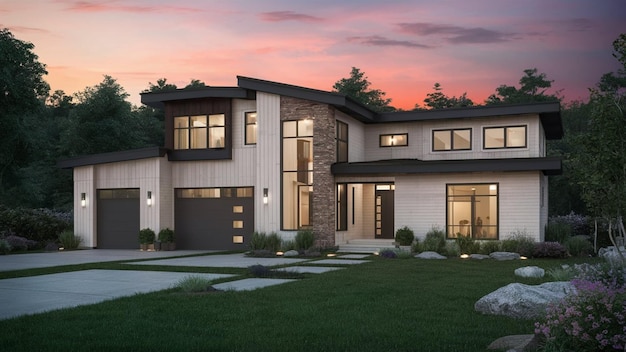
column 118, row 218
column 384, row 211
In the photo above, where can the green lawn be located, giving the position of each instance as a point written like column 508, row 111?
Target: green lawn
column 384, row 305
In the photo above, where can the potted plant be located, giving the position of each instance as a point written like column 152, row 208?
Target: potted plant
column 404, row 237
column 166, row 237
column 146, row 239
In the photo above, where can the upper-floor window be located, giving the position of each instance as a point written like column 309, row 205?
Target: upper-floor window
column 342, row 142
column 250, row 122
column 394, row 140
column 457, row 139
column 199, row 132
column 504, row 137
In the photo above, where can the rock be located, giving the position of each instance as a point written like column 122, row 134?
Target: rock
column 523, row 301
column 530, row 271
column 479, row 256
column 291, row 253
column 504, row 256
column 611, row 254
column 430, row 255
column 515, row 343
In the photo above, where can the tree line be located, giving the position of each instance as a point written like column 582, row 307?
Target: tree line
column 38, row 128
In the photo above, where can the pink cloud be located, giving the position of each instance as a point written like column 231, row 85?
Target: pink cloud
column 117, row 6
column 22, row 29
column 280, row 16
column 456, row 34
column 376, row 40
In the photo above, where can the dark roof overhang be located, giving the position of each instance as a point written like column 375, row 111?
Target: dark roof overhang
column 341, row 102
column 549, row 166
column 549, row 114
column 126, row 155
column 158, row 99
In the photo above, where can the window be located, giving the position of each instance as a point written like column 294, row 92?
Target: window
column 504, row 137
column 297, row 167
column 250, row 124
column 225, row 192
column 472, row 210
column 342, row 207
column 196, row 132
column 342, row 142
column 460, row 139
column 394, row 140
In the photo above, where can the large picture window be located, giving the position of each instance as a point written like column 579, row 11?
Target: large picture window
column 342, row 142
column 504, row 137
column 472, row 210
column 297, row 165
column 458, row 139
column 199, row 131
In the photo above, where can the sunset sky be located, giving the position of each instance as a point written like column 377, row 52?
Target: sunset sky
column 403, row 46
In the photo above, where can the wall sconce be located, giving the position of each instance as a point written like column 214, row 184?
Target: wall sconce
column 265, row 195
column 149, row 199
column 83, row 200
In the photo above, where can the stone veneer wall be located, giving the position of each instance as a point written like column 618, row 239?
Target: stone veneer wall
column 323, row 204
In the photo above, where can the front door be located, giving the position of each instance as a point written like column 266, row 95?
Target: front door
column 384, row 211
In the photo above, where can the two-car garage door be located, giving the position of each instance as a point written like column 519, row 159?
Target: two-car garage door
column 205, row 218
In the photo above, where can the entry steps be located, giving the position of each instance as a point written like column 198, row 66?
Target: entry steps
column 366, row 245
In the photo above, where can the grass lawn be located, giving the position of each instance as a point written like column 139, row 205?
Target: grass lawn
column 384, row 305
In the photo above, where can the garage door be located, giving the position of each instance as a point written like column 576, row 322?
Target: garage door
column 118, row 218
column 214, row 218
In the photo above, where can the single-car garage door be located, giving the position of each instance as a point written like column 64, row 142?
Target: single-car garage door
column 118, row 218
column 214, row 218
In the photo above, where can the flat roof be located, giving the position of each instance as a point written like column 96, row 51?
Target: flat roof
column 103, row 158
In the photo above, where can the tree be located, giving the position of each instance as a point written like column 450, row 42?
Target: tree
column 600, row 164
column 160, row 86
column 532, row 89
column 195, row 83
column 357, row 88
column 438, row 100
column 22, row 91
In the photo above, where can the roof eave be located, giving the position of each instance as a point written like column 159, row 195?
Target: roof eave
column 103, row 158
column 158, row 99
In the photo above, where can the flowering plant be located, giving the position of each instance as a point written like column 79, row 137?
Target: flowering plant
column 592, row 319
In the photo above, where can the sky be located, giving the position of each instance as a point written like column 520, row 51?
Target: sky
column 402, row 46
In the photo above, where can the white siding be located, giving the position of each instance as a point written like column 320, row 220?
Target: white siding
column 356, row 137
column 414, row 150
column 420, row 201
column 85, row 217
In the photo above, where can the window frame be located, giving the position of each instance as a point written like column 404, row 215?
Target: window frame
column 246, row 124
column 339, row 157
column 392, row 135
column 472, row 224
column 505, row 140
column 451, row 131
column 189, row 131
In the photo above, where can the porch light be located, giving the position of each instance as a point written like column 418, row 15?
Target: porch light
column 149, row 199
column 83, row 200
column 265, row 192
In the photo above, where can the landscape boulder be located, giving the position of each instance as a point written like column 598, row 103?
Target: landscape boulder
column 530, row 271
column 611, row 254
column 291, row 253
column 504, row 256
column 523, row 301
column 430, row 255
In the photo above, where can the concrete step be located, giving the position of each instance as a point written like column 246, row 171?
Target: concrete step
column 365, row 245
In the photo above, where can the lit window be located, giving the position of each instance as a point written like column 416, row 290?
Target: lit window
column 250, row 123
column 200, row 131
column 504, row 137
column 394, row 140
column 342, row 142
column 444, row 140
column 472, row 210
column 237, row 239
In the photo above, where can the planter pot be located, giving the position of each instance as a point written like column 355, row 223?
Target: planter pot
column 146, row 246
column 168, row 246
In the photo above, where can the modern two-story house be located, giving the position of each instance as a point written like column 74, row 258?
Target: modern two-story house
column 271, row 157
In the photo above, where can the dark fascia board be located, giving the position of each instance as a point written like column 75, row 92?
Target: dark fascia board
column 549, row 166
column 339, row 101
column 549, row 114
column 157, row 99
column 126, row 155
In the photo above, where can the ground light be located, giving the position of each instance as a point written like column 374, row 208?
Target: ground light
column 331, row 255
column 464, row 256
column 279, row 253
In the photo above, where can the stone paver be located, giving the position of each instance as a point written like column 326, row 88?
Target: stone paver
column 338, row 261
column 310, row 269
column 353, row 256
column 250, row 284
column 238, row 260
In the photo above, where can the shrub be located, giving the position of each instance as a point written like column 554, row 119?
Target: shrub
column 39, row 225
column 488, row 247
column 592, row 319
column 579, row 246
column 259, row 270
column 257, row 241
column 452, row 249
column 467, row 245
column 273, row 242
column 5, row 247
column 388, row 253
column 520, row 243
column 146, row 236
column 288, row 245
column 68, row 240
column 549, row 250
column 194, row 283
column 578, row 224
column 166, row 235
column 404, row 236
column 558, row 231
column 304, row 240
column 417, row 246
column 19, row 243
column 435, row 241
